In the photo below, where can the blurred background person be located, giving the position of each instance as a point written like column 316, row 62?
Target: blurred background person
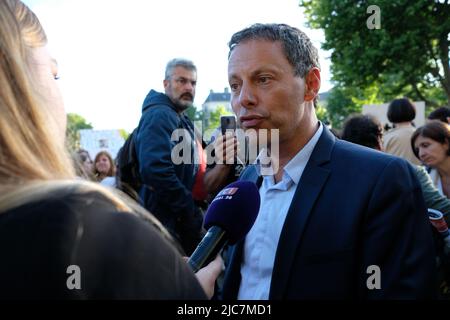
column 441, row 114
column 364, row 130
column 83, row 164
column 401, row 112
column 431, row 145
column 86, row 160
column 367, row 131
column 104, row 166
column 80, row 170
column 51, row 222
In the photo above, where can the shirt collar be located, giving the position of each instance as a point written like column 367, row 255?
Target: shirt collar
column 294, row 168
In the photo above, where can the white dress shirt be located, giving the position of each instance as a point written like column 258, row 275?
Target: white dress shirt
column 261, row 242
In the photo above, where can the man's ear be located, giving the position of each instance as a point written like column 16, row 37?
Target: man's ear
column 165, row 83
column 312, row 84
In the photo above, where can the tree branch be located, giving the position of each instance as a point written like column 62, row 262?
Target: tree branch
column 421, row 96
column 443, row 54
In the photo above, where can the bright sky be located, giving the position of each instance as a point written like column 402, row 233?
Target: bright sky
column 111, row 53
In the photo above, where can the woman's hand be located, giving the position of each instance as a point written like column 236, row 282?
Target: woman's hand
column 207, row 275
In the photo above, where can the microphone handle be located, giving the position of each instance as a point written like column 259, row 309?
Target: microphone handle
column 208, row 248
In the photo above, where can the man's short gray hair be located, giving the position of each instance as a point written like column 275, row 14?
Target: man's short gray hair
column 178, row 62
column 298, row 49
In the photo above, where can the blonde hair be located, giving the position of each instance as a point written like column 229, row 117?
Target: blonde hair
column 29, row 149
column 34, row 163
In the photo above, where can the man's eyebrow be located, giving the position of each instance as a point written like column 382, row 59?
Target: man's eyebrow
column 265, row 70
column 257, row 72
column 187, row 79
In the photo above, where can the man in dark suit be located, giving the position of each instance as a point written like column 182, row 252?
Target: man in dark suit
column 337, row 221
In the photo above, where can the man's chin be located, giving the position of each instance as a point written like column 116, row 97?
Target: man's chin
column 183, row 105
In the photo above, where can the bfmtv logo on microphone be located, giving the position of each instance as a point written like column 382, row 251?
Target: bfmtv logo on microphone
column 226, row 194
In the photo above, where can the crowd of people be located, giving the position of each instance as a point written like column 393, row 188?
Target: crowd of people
column 337, row 207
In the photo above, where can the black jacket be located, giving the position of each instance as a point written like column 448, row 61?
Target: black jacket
column 118, row 255
column 167, row 187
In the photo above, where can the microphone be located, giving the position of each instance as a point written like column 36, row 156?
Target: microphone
column 229, row 218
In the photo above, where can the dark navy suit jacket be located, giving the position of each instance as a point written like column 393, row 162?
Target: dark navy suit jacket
column 354, row 207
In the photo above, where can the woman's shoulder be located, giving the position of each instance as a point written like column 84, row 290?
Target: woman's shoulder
column 54, row 220
column 70, row 207
column 119, row 254
column 56, row 202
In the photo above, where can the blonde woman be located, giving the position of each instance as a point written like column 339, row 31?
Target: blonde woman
column 60, row 237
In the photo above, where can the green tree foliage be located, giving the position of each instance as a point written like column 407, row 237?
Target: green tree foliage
column 214, row 121
column 339, row 106
column 75, row 123
column 196, row 117
column 214, row 117
column 322, row 113
column 124, row 134
column 344, row 101
column 194, row 114
column 407, row 56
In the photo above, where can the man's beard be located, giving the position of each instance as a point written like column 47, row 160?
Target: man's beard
column 182, row 105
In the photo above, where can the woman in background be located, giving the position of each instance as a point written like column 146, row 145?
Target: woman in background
column 401, row 112
column 431, row 144
column 104, row 166
column 80, row 169
column 86, row 161
column 62, row 238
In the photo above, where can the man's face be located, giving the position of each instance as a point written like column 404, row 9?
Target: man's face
column 265, row 94
column 180, row 87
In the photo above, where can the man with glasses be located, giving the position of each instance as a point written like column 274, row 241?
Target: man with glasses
column 168, row 182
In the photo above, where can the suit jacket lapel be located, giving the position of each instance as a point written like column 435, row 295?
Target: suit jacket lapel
column 311, row 183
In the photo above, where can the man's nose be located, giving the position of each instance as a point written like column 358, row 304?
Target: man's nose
column 189, row 86
column 247, row 98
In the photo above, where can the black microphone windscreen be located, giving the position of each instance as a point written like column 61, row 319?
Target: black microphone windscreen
column 234, row 209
